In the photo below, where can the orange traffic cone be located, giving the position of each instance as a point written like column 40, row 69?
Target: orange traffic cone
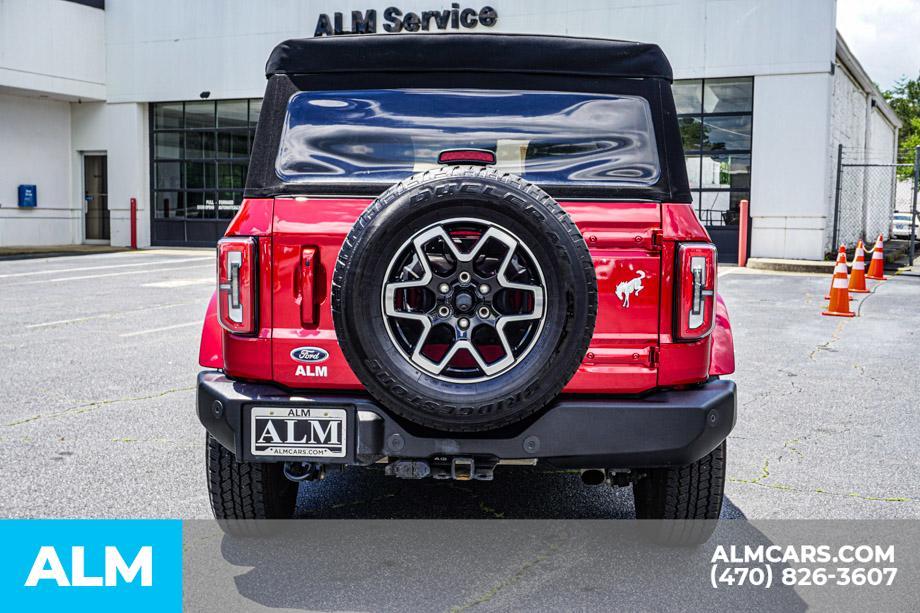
column 858, row 273
column 877, row 265
column 840, row 297
column 851, row 298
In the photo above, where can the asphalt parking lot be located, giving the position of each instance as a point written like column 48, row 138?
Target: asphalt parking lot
column 99, row 356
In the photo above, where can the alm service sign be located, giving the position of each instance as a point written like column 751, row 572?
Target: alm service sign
column 395, row 20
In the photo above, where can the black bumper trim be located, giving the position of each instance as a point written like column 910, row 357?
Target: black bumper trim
column 666, row 428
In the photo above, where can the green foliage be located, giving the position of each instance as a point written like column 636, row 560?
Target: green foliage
column 904, row 98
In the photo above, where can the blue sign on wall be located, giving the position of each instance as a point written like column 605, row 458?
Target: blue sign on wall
column 28, row 195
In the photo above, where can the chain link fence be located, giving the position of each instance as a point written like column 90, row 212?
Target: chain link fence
column 868, row 193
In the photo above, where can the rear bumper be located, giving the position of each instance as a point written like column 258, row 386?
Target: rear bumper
column 666, row 428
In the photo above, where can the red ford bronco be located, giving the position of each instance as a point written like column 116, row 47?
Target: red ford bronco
column 459, row 251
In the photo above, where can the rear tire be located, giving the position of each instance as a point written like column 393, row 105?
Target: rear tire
column 693, row 492
column 246, row 490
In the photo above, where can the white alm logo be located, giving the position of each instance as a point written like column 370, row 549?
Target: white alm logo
column 48, row 566
column 633, row 286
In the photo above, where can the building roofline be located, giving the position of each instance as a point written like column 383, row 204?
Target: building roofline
column 849, row 61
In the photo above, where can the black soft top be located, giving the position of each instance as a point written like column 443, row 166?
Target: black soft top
column 518, row 53
column 468, row 61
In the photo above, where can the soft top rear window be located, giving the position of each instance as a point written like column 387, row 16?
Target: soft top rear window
column 385, row 135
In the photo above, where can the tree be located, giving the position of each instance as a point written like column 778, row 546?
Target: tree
column 904, row 99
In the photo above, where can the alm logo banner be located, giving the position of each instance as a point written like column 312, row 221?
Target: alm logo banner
column 82, row 564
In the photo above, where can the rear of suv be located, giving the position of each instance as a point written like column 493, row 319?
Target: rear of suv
column 458, row 252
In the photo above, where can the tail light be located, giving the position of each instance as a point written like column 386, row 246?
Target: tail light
column 696, row 290
column 480, row 157
column 236, row 284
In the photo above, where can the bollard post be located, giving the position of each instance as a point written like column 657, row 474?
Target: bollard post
column 134, row 223
column 912, row 239
column 743, row 233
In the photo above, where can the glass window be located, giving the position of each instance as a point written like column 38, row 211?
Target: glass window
column 693, row 170
column 228, row 204
column 168, row 115
column 691, row 133
column 199, row 175
column 727, row 133
column 200, row 147
column 231, row 176
column 688, row 96
column 169, row 204
column 728, row 96
column 199, row 115
column 715, row 118
column 232, row 113
column 714, row 208
column 201, row 205
column 168, row 175
column 546, row 137
column 233, row 145
column 726, row 171
column 168, row 145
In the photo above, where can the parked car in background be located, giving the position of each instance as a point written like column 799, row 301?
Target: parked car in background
column 900, row 225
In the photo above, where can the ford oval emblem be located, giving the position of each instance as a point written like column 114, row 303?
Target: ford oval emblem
column 310, row 355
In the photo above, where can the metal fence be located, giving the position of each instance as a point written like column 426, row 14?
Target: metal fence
column 869, row 192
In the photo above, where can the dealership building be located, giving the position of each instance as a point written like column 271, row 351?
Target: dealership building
column 109, row 105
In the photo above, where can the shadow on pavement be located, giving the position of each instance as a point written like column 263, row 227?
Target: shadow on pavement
column 516, row 493
column 455, row 565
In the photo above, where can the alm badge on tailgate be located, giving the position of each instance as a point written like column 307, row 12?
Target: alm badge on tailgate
column 298, row 431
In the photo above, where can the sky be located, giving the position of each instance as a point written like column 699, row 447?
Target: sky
column 884, row 35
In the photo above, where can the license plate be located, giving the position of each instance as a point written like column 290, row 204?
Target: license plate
column 318, row 433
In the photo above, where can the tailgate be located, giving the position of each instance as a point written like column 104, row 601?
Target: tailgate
column 624, row 241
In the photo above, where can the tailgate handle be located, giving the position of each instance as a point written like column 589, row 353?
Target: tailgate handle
column 307, row 265
column 609, row 356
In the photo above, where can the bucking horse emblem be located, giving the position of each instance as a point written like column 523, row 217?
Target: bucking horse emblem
column 628, row 288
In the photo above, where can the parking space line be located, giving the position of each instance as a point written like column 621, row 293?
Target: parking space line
column 64, row 321
column 118, row 274
column 173, row 283
column 109, row 266
column 107, row 315
column 163, row 329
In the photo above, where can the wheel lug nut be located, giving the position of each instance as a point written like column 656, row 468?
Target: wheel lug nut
column 483, row 289
column 443, row 311
column 465, row 277
column 464, row 323
column 444, row 288
column 484, row 312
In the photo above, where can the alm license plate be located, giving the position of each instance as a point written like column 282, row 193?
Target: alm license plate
column 298, row 431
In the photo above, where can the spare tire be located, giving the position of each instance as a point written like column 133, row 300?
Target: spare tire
column 464, row 299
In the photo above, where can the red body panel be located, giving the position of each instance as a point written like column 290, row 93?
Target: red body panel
column 722, row 356
column 323, row 225
column 681, row 363
column 632, row 349
column 211, row 349
column 621, row 239
column 253, row 219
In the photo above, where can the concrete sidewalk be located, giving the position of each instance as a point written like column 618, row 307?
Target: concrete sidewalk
column 48, row 251
column 31, row 253
column 895, row 259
